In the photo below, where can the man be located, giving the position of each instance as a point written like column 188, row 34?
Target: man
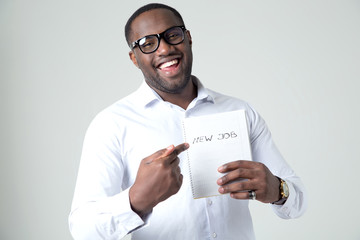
column 124, row 187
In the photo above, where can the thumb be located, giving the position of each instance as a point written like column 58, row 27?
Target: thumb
column 160, row 154
column 167, row 151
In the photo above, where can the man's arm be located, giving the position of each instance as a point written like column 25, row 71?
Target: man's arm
column 101, row 208
column 261, row 174
column 158, row 178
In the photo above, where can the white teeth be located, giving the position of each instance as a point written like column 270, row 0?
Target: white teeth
column 168, row 64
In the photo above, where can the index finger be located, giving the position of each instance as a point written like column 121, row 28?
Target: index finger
column 180, row 148
column 173, row 155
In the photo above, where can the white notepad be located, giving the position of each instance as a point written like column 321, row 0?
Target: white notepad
column 214, row 140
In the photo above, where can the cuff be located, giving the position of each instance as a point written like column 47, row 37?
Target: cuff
column 124, row 218
column 284, row 211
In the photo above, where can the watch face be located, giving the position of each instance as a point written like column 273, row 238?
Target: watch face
column 285, row 189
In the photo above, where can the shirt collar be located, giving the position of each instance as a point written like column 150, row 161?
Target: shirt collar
column 146, row 96
column 203, row 93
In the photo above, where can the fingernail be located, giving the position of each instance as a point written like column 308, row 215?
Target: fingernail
column 220, row 181
column 220, row 169
column 221, row 190
column 170, row 147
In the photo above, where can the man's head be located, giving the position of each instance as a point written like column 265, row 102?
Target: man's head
column 146, row 8
column 167, row 68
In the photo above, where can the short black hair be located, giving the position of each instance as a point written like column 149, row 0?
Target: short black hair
column 146, row 8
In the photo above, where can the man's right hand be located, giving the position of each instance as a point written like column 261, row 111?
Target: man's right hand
column 158, row 178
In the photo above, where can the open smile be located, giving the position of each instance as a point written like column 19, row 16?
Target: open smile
column 170, row 65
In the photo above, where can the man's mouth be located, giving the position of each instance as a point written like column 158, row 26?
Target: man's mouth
column 169, row 65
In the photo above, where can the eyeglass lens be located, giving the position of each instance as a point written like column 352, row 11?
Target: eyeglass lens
column 172, row 36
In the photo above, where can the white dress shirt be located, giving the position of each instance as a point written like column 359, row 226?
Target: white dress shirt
column 135, row 127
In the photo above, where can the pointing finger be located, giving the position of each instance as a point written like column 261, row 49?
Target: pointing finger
column 167, row 151
column 180, row 148
column 171, row 157
column 159, row 154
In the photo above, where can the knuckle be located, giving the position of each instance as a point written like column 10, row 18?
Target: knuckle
column 236, row 195
column 147, row 159
column 237, row 163
column 176, row 152
column 239, row 171
column 240, row 185
column 260, row 166
column 224, row 178
column 160, row 165
column 242, row 162
column 158, row 153
column 257, row 163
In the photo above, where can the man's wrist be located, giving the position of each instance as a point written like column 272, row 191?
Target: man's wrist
column 283, row 192
column 135, row 206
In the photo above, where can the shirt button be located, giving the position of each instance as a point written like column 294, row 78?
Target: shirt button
column 214, row 235
column 210, row 202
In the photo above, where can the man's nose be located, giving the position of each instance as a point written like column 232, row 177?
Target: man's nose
column 164, row 47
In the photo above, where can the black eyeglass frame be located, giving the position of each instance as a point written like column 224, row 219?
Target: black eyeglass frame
column 159, row 36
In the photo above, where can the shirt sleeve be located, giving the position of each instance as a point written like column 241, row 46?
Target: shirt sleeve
column 101, row 208
column 265, row 151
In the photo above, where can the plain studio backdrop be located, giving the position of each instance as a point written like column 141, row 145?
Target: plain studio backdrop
column 296, row 62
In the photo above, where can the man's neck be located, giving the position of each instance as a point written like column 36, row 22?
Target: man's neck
column 182, row 99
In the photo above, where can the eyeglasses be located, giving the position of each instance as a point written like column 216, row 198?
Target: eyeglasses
column 150, row 43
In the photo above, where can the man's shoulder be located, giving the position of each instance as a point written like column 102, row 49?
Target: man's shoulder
column 119, row 107
column 116, row 110
column 224, row 102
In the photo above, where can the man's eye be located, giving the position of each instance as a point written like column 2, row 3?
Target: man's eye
column 173, row 35
column 147, row 42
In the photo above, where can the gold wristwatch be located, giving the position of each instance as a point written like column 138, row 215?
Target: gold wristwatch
column 284, row 192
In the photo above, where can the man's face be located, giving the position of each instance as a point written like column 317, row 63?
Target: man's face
column 168, row 69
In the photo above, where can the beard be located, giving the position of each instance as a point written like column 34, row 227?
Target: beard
column 172, row 86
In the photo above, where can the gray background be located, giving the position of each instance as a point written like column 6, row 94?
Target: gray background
column 296, row 62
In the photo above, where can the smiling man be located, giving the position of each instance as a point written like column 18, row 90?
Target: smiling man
column 127, row 185
column 168, row 71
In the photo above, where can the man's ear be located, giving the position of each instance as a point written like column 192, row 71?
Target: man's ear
column 133, row 58
column 189, row 37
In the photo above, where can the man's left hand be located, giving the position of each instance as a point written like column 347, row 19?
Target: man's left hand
column 244, row 176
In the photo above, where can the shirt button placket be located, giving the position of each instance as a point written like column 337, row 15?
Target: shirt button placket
column 210, row 203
